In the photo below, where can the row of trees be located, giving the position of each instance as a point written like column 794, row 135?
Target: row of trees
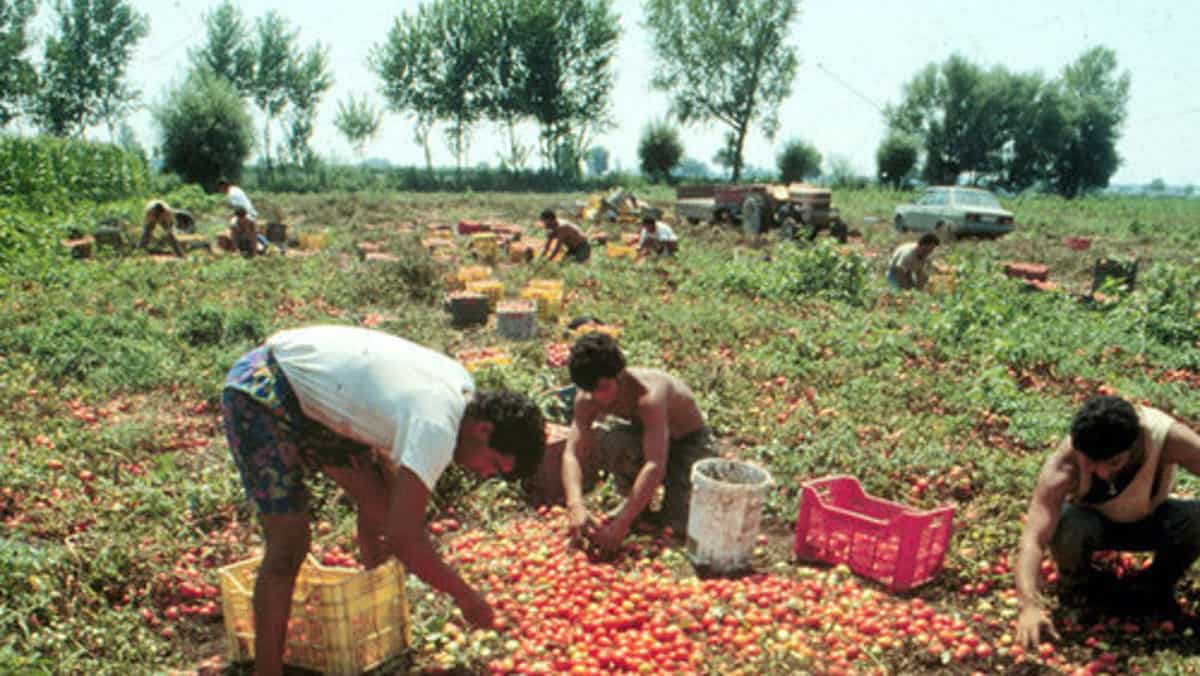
column 1013, row 130
column 456, row 64
column 460, row 62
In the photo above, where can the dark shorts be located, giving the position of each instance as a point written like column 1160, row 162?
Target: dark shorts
column 581, row 253
column 274, row 445
column 618, row 450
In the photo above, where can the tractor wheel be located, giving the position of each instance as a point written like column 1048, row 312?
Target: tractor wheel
column 900, row 225
column 753, row 214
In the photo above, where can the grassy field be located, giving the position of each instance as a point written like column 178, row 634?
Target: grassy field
column 118, row 501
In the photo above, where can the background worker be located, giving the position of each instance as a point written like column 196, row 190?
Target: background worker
column 1107, row 487
column 244, row 233
column 237, row 197
column 909, row 265
column 657, row 238
column 565, row 235
column 158, row 213
column 664, row 435
column 383, row 418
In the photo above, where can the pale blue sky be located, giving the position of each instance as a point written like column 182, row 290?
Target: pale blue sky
column 855, row 57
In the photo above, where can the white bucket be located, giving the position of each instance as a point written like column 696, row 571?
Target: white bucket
column 725, row 511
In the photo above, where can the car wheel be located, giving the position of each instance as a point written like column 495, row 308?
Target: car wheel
column 900, row 225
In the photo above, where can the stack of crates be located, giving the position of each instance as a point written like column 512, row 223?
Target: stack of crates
column 486, row 246
column 548, row 293
column 467, row 274
column 492, row 288
column 343, row 621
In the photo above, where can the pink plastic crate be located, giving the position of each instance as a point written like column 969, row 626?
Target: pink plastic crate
column 896, row 545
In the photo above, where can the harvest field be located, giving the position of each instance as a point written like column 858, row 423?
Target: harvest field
column 119, row 502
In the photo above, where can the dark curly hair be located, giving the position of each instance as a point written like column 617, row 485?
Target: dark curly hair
column 1104, row 427
column 520, row 429
column 594, row 356
column 929, row 239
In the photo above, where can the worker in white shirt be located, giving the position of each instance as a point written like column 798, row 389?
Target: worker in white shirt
column 382, row 417
column 237, row 198
column 657, row 238
column 909, row 265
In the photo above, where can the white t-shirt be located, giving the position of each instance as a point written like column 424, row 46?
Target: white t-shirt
column 237, row 198
column 662, row 233
column 905, row 259
column 379, row 390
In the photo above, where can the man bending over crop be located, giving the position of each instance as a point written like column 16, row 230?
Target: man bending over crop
column 565, row 235
column 664, row 435
column 909, row 265
column 158, row 214
column 383, row 418
column 1107, row 487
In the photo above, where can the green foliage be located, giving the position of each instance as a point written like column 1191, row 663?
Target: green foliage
column 308, row 80
column 18, row 79
column 506, row 60
column 227, row 50
column 274, row 46
column 1016, row 130
column 895, row 159
column 660, row 150
column 1170, row 311
column 206, row 130
column 208, row 325
column 84, row 64
column 122, row 349
column 413, row 277
column 728, row 62
column 358, row 120
column 822, row 270
column 1096, row 102
column 46, row 173
column 798, row 160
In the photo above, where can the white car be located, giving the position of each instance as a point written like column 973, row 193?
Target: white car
column 955, row 212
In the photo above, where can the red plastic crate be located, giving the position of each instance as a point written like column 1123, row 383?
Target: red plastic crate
column 1034, row 271
column 896, row 545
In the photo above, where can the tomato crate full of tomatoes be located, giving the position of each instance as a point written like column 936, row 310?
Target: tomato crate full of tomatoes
column 344, row 621
column 899, row 546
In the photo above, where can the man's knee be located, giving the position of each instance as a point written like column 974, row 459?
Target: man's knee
column 1181, row 524
column 1078, row 533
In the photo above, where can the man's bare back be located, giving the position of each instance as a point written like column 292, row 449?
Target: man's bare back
column 649, row 387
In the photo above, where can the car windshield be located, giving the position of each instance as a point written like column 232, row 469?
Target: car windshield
column 976, row 198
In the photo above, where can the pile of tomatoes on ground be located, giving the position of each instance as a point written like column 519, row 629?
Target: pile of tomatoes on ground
column 561, row 612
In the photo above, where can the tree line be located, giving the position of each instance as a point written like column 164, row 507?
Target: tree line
column 452, row 66
column 1011, row 130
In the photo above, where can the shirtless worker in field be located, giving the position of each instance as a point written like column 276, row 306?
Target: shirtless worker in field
column 1108, row 487
column 665, row 434
column 565, row 235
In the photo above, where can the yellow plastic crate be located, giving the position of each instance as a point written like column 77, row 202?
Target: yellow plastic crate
column 555, row 285
column 492, row 288
column 613, row 331
column 311, row 241
column 474, row 359
column 620, row 251
column 343, row 621
column 549, row 302
column 472, row 273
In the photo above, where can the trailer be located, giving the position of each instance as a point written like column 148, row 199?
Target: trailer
column 759, row 207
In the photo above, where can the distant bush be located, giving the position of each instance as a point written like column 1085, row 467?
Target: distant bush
column 209, row 325
column 207, row 131
column 822, row 270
